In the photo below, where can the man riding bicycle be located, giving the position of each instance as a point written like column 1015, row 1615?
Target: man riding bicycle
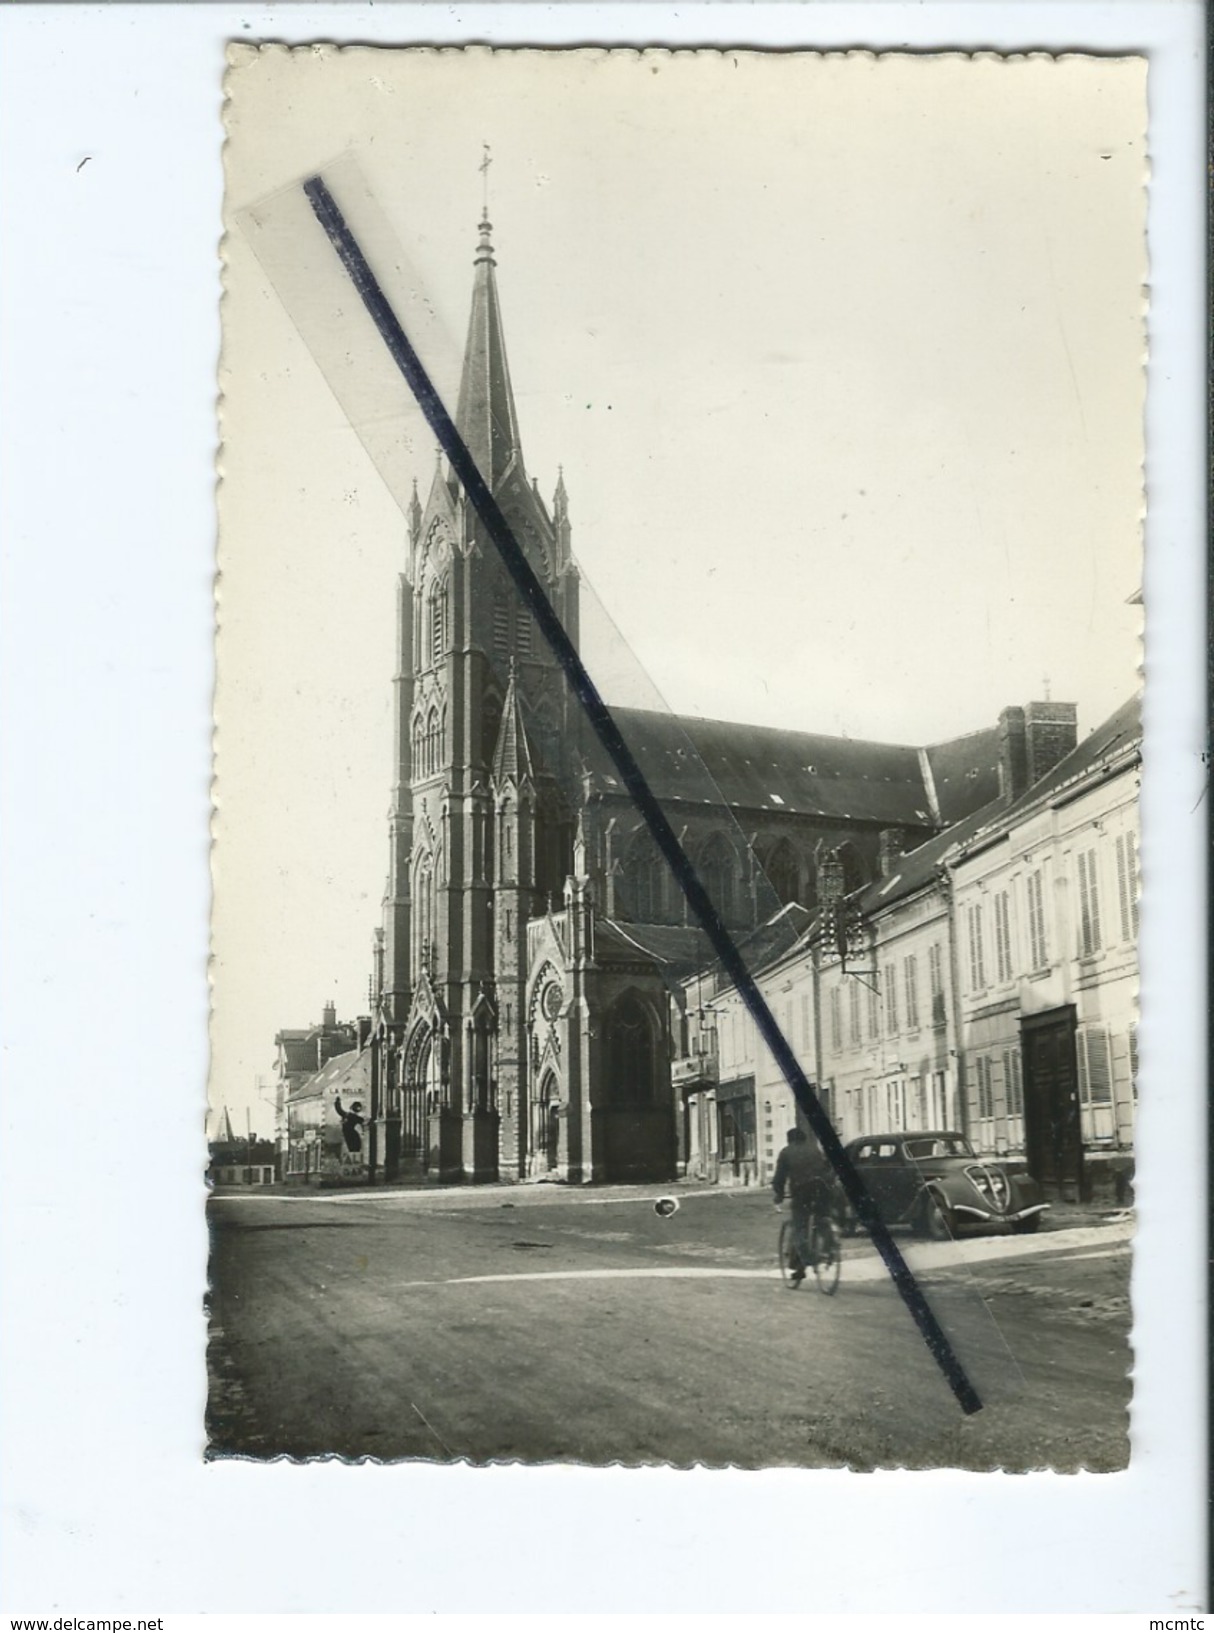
column 801, row 1170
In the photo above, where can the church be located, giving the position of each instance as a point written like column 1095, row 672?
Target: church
column 527, row 971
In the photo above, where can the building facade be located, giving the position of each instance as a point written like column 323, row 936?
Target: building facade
column 1046, row 905
column 985, row 980
column 323, row 1147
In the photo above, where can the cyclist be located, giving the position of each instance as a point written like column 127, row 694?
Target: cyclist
column 801, row 1171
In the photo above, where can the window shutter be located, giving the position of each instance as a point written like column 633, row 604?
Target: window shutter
column 1038, row 952
column 1096, row 1066
column 1127, row 885
column 1013, row 1088
column 911, row 977
column 977, row 965
column 1089, row 904
column 1094, row 891
column 1003, row 936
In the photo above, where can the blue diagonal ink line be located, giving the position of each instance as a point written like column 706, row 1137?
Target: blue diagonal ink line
column 599, row 715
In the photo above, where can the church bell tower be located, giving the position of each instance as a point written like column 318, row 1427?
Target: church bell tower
column 481, row 715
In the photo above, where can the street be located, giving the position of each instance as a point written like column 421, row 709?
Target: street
column 540, row 1324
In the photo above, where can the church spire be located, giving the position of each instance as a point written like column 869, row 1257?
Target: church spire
column 485, row 417
column 512, row 757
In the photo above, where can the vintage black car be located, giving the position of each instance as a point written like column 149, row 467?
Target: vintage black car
column 934, row 1183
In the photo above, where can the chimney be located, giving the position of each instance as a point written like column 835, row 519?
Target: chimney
column 891, row 843
column 1051, row 732
column 1013, row 754
column 329, row 1016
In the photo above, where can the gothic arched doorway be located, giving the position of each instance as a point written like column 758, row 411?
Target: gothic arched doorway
column 546, row 1133
column 631, row 1068
column 415, row 1071
column 634, row 1121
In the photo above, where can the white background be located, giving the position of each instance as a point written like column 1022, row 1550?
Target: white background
column 109, row 328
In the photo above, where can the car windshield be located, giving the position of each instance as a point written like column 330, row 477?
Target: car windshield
column 938, row 1145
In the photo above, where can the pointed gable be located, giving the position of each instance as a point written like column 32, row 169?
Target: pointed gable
column 512, row 756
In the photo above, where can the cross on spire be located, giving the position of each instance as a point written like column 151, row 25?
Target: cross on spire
column 483, row 167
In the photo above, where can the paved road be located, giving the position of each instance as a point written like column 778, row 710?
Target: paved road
column 542, row 1324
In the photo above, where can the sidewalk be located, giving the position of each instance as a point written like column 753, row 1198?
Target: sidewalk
column 523, row 1193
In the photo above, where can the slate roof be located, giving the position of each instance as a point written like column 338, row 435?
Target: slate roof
column 965, row 773
column 917, row 867
column 705, row 762
column 348, row 1074
column 679, row 949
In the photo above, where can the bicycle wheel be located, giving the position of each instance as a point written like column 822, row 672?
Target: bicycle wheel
column 826, row 1256
column 785, row 1251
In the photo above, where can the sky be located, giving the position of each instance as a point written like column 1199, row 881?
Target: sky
column 842, row 359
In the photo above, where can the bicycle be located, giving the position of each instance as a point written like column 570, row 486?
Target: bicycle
column 825, row 1252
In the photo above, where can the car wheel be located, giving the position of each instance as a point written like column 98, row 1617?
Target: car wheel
column 935, row 1219
column 1026, row 1227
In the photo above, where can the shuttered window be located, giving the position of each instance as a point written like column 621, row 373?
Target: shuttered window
column 1013, row 1084
column 976, row 950
column 910, row 975
column 853, row 1015
column 1096, row 1066
column 889, row 991
column 1038, row 945
column 1089, row 904
column 501, row 624
column 935, row 978
column 986, row 1090
column 1003, row 936
column 836, row 1031
column 438, row 623
column 1127, row 885
column 874, row 1012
